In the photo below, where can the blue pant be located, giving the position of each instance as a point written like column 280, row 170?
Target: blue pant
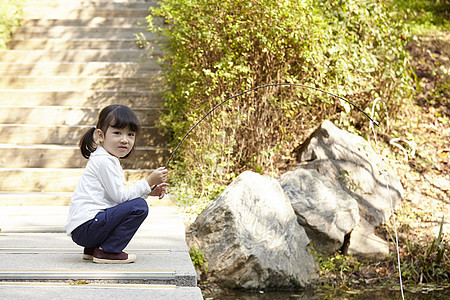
column 113, row 228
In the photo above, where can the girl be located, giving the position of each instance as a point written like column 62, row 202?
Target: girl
column 104, row 215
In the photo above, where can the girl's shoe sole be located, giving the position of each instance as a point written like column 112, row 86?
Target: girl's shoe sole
column 131, row 258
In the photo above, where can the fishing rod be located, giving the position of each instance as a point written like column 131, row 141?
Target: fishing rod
column 257, row 88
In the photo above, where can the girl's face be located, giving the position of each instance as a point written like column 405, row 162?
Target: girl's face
column 118, row 142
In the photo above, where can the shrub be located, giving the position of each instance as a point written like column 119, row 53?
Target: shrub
column 424, row 15
column 10, row 15
column 198, row 259
column 213, row 49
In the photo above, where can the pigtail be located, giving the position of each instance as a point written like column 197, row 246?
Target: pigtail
column 87, row 143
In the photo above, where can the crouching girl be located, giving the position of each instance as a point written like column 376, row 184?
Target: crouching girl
column 104, row 215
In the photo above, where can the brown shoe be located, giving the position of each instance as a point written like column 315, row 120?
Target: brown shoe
column 88, row 253
column 102, row 257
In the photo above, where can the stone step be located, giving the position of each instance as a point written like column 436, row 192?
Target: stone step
column 19, row 219
column 39, row 202
column 19, row 134
column 148, row 276
column 33, row 199
column 64, row 83
column 59, row 44
column 100, row 55
column 88, row 22
column 83, row 9
column 50, row 180
column 161, row 232
column 68, row 13
column 80, row 98
column 57, row 156
column 112, row 5
column 151, row 267
column 65, row 115
column 79, row 32
column 38, row 291
column 21, row 71
column 42, row 200
column 97, row 2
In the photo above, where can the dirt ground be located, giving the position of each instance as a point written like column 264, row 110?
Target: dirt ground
column 423, row 168
column 426, row 174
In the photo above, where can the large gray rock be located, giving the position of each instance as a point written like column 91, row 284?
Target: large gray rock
column 348, row 160
column 365, row 242
column 325, row 210
column 251, row 238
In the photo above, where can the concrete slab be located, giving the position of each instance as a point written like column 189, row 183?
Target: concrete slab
column 117, row 69
column 76, row 55
column 80, row 98
column 78, row 32
column 160, row 245
column 15, row 134
column 14, row 218
column 42, row 13
column 62, row 115
column 58, row 44
column 161, row 268
column 68, row 156
column 88, row 22
column 162, row 220
column 60, row 242
column 26, row 291
column 150, row 267
column 64, row 83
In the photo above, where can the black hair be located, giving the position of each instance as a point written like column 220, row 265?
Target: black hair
column 116, row 116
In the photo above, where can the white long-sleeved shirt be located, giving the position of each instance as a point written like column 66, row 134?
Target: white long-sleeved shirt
column 101, row 186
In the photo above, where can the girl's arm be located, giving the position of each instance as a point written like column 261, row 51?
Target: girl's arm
column 111, row 176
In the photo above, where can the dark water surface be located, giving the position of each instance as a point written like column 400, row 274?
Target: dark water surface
column 359, row 295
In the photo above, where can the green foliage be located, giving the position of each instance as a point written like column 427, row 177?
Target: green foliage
column 10, row 15
column 336, row 271
column 186, row 189
column 348, row 181
column 428, row 263
column 198, row 259
column 213, row 49
column 425, row 15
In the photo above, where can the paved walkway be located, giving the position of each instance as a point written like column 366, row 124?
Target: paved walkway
column 40, row 261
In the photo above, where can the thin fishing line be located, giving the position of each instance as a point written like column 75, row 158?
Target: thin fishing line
column 257, row 88
column 393, row 214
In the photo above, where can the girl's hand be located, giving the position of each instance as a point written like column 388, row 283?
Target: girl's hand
column 160, row 190
column 158, row 176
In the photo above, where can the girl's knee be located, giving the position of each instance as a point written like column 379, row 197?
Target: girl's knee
column 141, row 206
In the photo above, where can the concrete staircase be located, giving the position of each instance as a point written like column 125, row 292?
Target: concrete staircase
column 68, row 60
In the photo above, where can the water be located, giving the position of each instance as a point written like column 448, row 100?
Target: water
column 384, row 294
